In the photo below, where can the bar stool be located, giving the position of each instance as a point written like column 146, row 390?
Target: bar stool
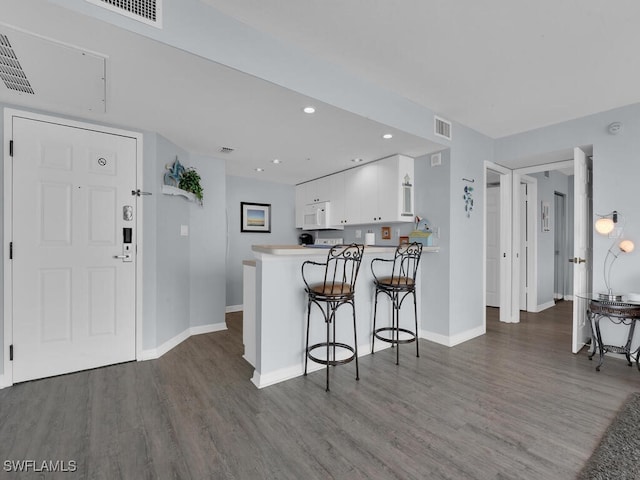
column 335, row 290
column 397, row 286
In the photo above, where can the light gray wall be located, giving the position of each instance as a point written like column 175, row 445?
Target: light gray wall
column 615, row 172
column 173, row 252
column 466, row 280
column 547, row 186
column 208, row 239
column 434, row 203
column 190, row 270
column 283, row 231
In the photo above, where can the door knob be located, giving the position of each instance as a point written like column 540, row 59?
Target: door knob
column 577, row 260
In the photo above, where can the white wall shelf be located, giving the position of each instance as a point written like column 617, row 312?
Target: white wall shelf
column 169, row 190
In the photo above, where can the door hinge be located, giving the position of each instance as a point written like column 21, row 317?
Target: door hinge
column 11, row 352
column 10, row 250
column 11, row 148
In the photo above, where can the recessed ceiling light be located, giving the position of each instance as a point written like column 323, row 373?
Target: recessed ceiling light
column 356, row 160
column 387, row 136
column 259, row 169
column 309, row 110
column 276, row 161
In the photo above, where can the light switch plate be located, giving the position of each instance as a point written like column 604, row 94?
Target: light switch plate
column 184, row 230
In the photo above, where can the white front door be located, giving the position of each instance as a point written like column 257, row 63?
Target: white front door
column 73, row 302
column 582, row 247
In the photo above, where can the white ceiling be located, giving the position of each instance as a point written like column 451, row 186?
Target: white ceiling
column 197, row 104
column 497, row 66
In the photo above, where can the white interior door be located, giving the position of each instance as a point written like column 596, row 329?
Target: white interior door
column 74, row 304
column 582, row 247
column 524, row 223
column 493, row 247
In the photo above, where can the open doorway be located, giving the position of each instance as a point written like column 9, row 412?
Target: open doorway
column 497, row 258
column 516, row 251
column 560, row 263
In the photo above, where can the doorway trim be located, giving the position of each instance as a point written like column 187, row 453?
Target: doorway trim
column 6, row 379
column 532, row 300
column 505, row 241
column 532, row 245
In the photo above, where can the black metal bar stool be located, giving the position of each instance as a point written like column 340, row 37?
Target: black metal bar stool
column 397, row 284
column 335, row 290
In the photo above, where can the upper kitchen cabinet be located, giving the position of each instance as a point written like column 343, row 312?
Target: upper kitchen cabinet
column 386, row 188
column 378, row 192
column 311, row 192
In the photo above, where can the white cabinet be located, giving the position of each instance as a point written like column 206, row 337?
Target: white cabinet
column 338, row 200
column 378, row 192
column 311, row 192
column 395, row 189
column 385, row 191
column 300, row 203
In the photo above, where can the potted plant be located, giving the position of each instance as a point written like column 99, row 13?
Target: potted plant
column 190, row 182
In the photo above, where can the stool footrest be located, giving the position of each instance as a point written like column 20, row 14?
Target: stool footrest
column 393, row 339
column 331, row 345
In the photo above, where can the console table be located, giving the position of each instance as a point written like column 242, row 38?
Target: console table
column 624, row 312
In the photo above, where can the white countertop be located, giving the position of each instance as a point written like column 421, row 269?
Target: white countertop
column 322, row 250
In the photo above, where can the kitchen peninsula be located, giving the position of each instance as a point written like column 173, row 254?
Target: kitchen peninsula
column 276, row 321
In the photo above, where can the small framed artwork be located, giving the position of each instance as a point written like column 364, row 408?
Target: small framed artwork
column 386, row 233
column 546, row 223
column 255, row 217
column 404, row 240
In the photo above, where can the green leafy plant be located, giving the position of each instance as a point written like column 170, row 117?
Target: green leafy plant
column 190, row 182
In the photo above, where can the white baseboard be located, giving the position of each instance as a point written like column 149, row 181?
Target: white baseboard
column 233, row 308
column 568, row 298
column 153, row 353
column 452, row 341
column 544, row 306
column 287, row 373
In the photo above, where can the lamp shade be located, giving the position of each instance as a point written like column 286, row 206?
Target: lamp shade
column 604, row 226
column 626, row 246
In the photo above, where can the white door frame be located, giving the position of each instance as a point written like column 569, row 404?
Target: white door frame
column 532, row 300
column 7, row 378
column 505, row 241
column 532, row 250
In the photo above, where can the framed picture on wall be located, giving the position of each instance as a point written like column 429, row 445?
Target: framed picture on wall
column 255, row 217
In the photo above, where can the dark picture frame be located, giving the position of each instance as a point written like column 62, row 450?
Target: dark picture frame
column 255, row 217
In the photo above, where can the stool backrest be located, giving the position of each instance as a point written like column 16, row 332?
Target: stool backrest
column 406, row 261
column 343, row 264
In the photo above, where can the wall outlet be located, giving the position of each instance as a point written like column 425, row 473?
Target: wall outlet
column 184, row 230
column 397, row 232
column 358, row 233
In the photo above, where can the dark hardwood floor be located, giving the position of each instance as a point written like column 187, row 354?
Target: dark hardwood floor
column 512, row 404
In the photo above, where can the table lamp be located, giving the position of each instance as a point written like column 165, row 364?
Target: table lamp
column 604, row 226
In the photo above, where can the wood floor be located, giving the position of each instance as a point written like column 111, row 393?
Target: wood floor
column 513, row 404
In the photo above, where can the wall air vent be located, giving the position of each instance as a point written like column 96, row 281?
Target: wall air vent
column 11, row 71
column 226, row 149
column 442, row 127
column 145, row 11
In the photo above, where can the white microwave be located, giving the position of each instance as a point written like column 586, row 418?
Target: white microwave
column 316, row 216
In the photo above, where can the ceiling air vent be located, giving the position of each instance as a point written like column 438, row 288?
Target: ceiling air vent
column 442, row 127
column 145, row 11
column 226, row 149
column 11, row 72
